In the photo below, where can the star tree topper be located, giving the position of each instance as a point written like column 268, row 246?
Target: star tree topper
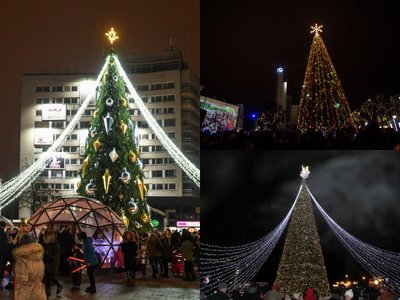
column 304, row 172
column 112, row 35
column 316, row 28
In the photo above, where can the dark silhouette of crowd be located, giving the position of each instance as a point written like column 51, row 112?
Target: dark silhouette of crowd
column 262, row 290
column 368, row 137
column 33, row 267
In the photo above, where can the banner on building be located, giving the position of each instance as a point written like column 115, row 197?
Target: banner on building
column 54, row 112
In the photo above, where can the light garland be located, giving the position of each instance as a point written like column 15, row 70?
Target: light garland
column 379, row 262
column 187, row 166
column 239, row 264
column 14, row 188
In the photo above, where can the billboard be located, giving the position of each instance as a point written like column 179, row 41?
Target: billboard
column 54, row 112
column 219, row 117
column 57, row 162
column 43, row 136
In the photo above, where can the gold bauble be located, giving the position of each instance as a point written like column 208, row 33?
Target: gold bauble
column 106, row 180
column 95, row 113
column 123, row 127
column 97, row 144
column 145, row 218
column 124, row 219
column 123, row 102
column 121, row 196
column 132, row 156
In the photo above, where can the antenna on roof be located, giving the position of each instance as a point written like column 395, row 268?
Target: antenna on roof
column 171, row 43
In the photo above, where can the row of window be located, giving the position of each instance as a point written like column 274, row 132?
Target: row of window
column 152, row 136
column 161, row 122
column 158, row 148
column 154, row 111
column 56, row 88
column 68, row 161
column 86, row 124
column 158, row 161
column 165, row 186
column 65, row 100
column 71, row 186
column 154, row 68
column 159, row 173
column 155, row 86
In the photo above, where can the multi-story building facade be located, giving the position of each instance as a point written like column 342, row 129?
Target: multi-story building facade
column 49, row 102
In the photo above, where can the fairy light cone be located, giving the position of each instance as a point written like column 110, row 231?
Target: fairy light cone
column 302, row 263
column 323, row 104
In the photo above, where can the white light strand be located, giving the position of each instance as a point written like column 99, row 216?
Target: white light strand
column 379, row 262
column 13, row 188
column 188, row 167
column 237, row 265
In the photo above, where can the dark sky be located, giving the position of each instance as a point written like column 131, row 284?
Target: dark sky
column 244, row 42
column 58, row 36
column 244, row 195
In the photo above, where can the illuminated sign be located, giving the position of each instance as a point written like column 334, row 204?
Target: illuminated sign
column 56, row 162
column 54, row 112
column 187, row 223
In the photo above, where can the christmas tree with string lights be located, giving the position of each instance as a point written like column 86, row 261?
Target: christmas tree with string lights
column 112, row 170
column 323, row 104
column 302, row 263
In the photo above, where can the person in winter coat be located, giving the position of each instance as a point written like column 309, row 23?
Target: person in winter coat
column 91, row 261
column 51, row 259
column 29, row 270
column 187, row 248
column 166, row 253
column 130, row 250
column 274, row 293
column 153, row 246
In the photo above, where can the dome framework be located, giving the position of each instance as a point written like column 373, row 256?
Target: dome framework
column 82, row 214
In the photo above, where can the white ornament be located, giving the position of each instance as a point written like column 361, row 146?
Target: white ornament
column 304, row 172
column 113, row 155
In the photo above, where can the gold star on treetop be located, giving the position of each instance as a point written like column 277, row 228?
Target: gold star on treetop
column 316, row 28
column 112, row 35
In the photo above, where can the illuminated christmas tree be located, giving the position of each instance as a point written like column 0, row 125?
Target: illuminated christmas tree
column 112, row 171
column 323, row 104
column 302, row 264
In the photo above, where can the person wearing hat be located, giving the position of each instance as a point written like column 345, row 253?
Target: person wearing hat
column 29, row 270
column 221, row 294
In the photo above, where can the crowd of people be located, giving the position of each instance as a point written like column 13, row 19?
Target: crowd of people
column 262, row 291
column 368, row 137
column 34, row 266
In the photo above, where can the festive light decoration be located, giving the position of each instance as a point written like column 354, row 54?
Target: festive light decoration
column 378, row 262
column 302, row 264
column 112, row 36
column 13, row 188
column 187, row 166
column 238, row 264
column 323, row 104
column 106, row 180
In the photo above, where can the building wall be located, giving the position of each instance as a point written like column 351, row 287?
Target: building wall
column 173, row 98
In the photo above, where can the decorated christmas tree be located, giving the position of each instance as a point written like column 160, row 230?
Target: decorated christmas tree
column 302, row 264
column 323, row 104
column 112, row 170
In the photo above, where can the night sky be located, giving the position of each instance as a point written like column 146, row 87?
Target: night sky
column 245, row 195
column 244, row 42
column 68, row 36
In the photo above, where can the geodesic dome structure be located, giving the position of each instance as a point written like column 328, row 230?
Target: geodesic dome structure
column 83, row 214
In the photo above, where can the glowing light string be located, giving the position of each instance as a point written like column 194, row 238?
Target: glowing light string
column 239, row 264
column 187, row 166
column 379, row 262
column 14, row 188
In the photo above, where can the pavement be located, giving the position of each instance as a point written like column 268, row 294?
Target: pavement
column 111, row 286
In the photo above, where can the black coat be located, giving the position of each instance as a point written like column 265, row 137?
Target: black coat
column 51, row 257
column 130, row 251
